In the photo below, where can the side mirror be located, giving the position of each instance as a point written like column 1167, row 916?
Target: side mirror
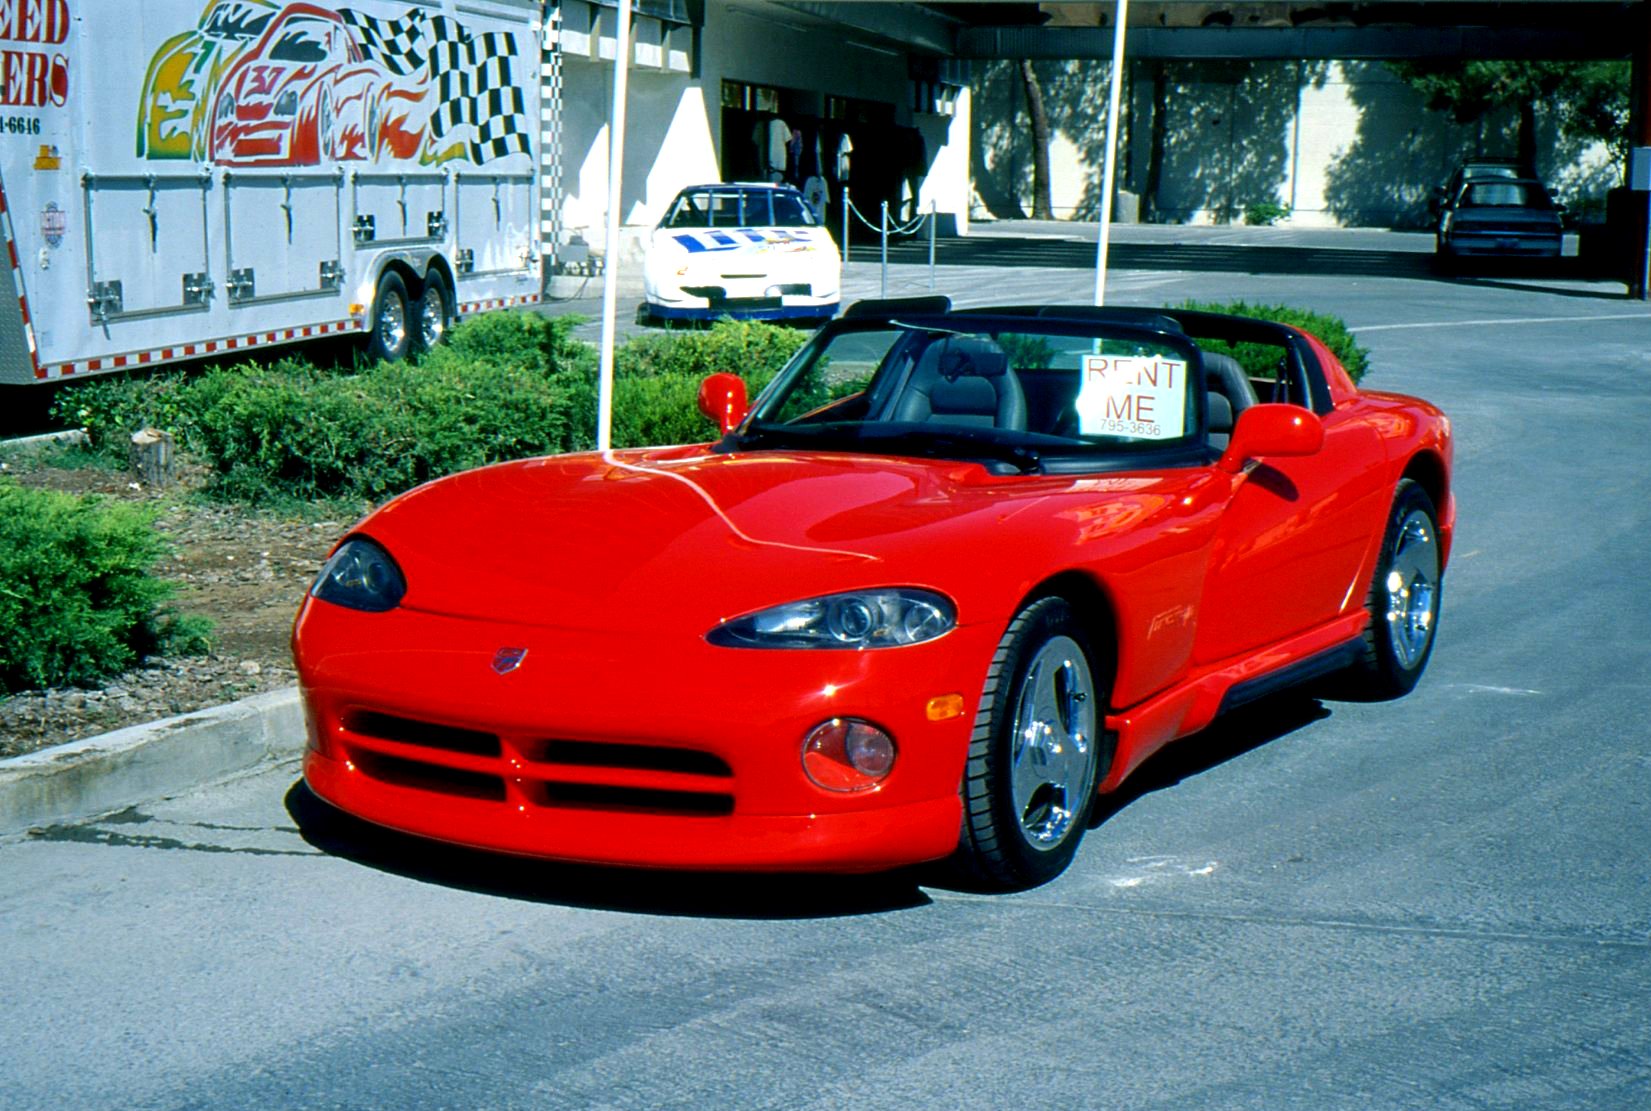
column 722, row 400
column 1264, row 430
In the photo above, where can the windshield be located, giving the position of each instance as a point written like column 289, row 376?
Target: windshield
column 1019, row 393
column 738, row 208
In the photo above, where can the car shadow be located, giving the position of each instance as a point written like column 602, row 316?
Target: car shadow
column 592, row 887
column 1228, row 737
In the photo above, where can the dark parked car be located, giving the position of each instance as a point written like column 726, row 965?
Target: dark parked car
column 1478, row 169
column 1499, row 216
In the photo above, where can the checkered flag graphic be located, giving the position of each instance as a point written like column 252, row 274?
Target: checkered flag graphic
column 480, row 110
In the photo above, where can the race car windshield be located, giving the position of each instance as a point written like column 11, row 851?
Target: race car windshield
column 1030, row 395
column 738, row 208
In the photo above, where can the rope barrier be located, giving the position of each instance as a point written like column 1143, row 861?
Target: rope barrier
column 893, row 229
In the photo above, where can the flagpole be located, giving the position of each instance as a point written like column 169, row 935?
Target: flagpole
column 1120, row 18
column 610, row 265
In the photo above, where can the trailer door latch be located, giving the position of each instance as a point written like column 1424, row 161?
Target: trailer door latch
column 197, row 289
column 365, row 229
column 241, row 285
column 332, row 275
column 105, row 300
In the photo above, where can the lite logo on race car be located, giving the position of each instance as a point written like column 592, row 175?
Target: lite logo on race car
column 1142, row 396
column 752, row 239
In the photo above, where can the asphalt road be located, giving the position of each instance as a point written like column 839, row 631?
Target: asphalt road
column 1442, row 902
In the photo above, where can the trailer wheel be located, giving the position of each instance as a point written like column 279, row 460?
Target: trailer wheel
column 390, row 339
column 435, row 312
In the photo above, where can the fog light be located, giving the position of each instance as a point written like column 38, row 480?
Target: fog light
column 847, row 754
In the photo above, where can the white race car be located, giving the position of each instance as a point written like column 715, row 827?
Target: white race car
column 747, row 250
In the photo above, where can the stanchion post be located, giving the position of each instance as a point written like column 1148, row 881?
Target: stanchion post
column 848, row 206
column 885, row 291
column 931, row 243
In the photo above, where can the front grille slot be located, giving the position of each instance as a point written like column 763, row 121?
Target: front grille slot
column 591, row 796
column 388, row 727
column 657, row 758
column 429, row 777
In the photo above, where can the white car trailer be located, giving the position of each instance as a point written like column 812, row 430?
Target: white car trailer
column 183, row 178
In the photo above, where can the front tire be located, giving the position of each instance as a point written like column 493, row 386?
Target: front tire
column 390, row 339
column 1034, row 763
column 1404, row 601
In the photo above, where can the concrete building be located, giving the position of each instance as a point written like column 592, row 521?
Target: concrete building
column 708, row 78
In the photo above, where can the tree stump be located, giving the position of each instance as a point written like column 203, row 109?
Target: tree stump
column 151, row 457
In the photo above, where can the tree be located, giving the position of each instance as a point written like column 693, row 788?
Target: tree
column 1043, row 207
column 1590, row 98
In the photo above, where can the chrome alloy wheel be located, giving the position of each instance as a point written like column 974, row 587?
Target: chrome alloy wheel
column 1412, row 586
column 432, row 316
column 391, row 324
column 1052, row 746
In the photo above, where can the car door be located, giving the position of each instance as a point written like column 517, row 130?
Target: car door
column 1292, row 541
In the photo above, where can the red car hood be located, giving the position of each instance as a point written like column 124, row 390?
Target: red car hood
column 643, row 541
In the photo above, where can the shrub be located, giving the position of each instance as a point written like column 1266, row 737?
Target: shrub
column 291, row 430
column 508, row 385
column 1259, row 360
column 1265, row 213
column 657, row 377
column 753, row 350
column 526, row 340
column 111, row 408
column 77, row 601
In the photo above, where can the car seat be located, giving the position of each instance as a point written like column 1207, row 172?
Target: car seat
column 963, row 380
column 1228, row 393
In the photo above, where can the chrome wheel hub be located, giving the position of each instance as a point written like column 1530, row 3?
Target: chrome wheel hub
column 1052, row 748
column 392, row 322
column 1412, row 589
column 432, row 320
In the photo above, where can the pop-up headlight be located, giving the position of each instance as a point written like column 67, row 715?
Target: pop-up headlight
column 362, row 576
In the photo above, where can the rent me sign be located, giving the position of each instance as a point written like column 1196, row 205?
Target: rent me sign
column 1143, row 397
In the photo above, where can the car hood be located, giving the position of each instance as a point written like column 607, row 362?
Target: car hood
column 640, row 541
column 720, row 246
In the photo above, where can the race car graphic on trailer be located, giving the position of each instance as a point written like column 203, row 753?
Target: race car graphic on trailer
column 193, row 177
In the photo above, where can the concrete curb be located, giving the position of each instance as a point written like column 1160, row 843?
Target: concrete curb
column 96, row 775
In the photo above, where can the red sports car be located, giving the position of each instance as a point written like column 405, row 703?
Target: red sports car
column 304, row 94
column 950, row 577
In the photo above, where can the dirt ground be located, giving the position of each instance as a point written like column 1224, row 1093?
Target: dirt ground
column 247, row 571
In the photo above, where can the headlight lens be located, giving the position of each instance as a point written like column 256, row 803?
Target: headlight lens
column 857, row 619
column 362, row 576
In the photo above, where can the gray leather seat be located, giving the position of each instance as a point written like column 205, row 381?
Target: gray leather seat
column 963, row 380
column 1228, row 393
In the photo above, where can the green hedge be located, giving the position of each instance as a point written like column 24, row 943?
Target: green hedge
column 1259, row 360
column 77, row 601
column 506, row 386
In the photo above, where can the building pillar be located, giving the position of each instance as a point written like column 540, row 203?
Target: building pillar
column 1639, row 126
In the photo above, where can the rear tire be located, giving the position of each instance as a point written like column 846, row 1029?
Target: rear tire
column 391, row 338
column 1034, row 757
column 1404, row 601
column 434, row 314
